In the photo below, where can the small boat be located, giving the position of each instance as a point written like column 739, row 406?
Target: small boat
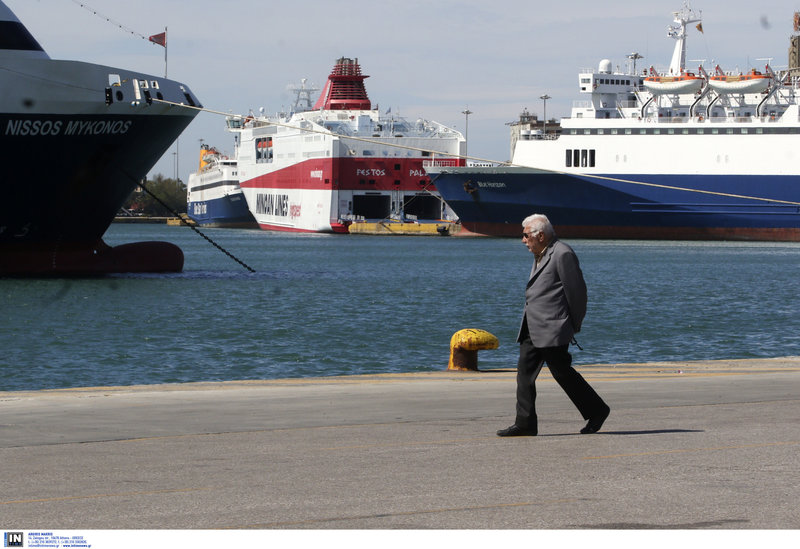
column 752, row 82
column 686, row 82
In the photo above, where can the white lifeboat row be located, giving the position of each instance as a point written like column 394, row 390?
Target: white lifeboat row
column 752, row 82
column 687, row 82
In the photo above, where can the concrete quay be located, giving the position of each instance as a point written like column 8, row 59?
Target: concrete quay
column 689, row 445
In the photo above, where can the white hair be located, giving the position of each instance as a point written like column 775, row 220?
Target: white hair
column 539, row 223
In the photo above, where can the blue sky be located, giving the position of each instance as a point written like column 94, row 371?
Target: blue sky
column 428, row 59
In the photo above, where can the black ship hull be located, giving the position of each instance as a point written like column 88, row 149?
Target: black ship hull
column 77, row 138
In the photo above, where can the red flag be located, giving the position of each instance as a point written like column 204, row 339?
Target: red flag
column 160, row 39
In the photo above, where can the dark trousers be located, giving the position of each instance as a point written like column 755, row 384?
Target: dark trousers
column 559, row 361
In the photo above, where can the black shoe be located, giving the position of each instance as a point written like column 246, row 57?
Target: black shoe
column 516, row 431
column 594, row 424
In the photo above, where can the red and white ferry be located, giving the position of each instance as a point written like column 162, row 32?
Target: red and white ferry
column 321, row 168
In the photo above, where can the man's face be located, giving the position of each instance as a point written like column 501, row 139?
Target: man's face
column 535, row 241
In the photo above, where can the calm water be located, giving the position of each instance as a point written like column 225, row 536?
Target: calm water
column 323, row 305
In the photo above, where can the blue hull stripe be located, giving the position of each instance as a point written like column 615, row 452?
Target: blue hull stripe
column 227, row 211
column 506, row 198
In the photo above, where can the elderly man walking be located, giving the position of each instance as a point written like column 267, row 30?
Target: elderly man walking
column 555, row 304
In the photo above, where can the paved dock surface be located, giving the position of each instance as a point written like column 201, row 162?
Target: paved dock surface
column 709, row 445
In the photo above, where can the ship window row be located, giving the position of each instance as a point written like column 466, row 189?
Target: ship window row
column 613, row 81
column 740, row 130
column 382, row 152
column 580, row 158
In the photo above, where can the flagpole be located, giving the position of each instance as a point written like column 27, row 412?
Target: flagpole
column 161, row 40
column 177, row 139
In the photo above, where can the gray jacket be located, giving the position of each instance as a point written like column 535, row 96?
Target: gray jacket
column 555, row 298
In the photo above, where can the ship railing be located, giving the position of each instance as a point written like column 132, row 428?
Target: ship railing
column 443, row 163
column 413, row 132
column 736, row 119
column 539, row 136
column 701, row 118
column 339, row 128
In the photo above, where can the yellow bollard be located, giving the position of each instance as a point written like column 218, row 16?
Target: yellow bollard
column 464, row 347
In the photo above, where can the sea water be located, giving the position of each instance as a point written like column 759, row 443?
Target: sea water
column 326, row 305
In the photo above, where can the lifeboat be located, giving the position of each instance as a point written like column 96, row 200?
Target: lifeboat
column 685, row 83
column 752, row 82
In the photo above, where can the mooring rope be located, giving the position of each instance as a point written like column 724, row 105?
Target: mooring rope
column 195, row 229
column 498, row 164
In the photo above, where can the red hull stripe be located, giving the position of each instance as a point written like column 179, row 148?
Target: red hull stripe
column 351, row 174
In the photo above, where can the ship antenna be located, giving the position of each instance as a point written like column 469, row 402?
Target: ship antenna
column 633, row 57
column 302, row 96
column 678, row 31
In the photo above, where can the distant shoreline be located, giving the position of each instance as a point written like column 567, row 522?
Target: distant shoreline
column 141, row 219
column 149, row 219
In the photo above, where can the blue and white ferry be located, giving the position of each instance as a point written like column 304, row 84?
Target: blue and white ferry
column 214, row 197
column 651, row 154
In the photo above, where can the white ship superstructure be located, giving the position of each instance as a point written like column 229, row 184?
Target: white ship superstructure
column 604, row 133
column 321, row 168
